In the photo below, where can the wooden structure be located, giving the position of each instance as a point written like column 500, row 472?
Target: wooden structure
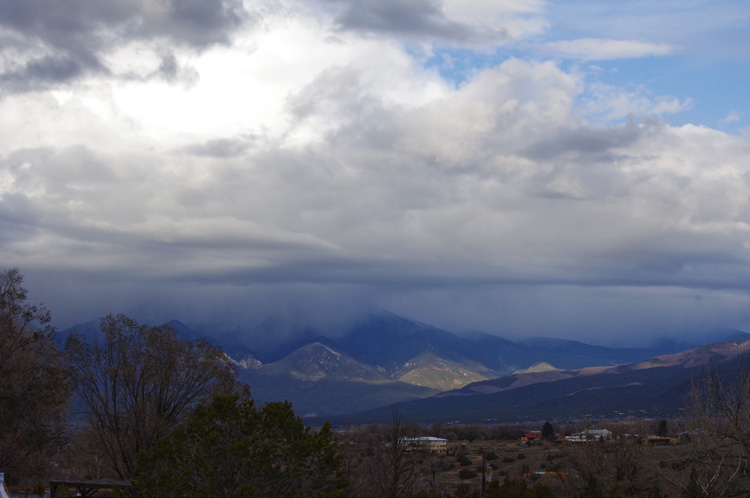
column 662, row 440
column 89, row 489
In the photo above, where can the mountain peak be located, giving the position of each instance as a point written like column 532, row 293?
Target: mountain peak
column 318, row 361
column 430, row 370
column 542, row 366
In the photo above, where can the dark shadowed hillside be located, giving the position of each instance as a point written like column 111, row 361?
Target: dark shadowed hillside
column 652, row 388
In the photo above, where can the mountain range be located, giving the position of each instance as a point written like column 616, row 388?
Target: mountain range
column 658, row 387
column 384, row 359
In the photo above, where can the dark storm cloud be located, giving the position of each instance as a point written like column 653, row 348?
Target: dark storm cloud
column 62, row 67
column 415, row 19
column 56, row 42
column 197, row 23
column 18, row 218
column 586, row 140
column 54, row 69
column 172, row 71
column 73, row 23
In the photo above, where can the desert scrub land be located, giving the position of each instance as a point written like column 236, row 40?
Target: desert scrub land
column 621, row 466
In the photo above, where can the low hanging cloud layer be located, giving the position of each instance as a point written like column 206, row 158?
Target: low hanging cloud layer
column 218, row 162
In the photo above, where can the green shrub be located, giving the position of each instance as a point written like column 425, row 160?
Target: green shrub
column 467, row 473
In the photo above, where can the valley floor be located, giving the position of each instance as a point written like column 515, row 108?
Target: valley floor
column 631, row 467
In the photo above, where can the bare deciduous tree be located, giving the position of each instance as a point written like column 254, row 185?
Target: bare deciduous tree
column 34, row 390
column 619, row 463
column 720, row 402
column 137, row 383
column 393, row 470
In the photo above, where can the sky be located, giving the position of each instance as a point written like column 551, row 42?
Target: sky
column 569, row 168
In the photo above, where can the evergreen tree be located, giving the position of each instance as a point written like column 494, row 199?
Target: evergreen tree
column 548, row 432
column 231, row 449
column 662, row 429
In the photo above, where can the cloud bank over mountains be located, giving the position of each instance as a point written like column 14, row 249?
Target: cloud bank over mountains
column 228, row 158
